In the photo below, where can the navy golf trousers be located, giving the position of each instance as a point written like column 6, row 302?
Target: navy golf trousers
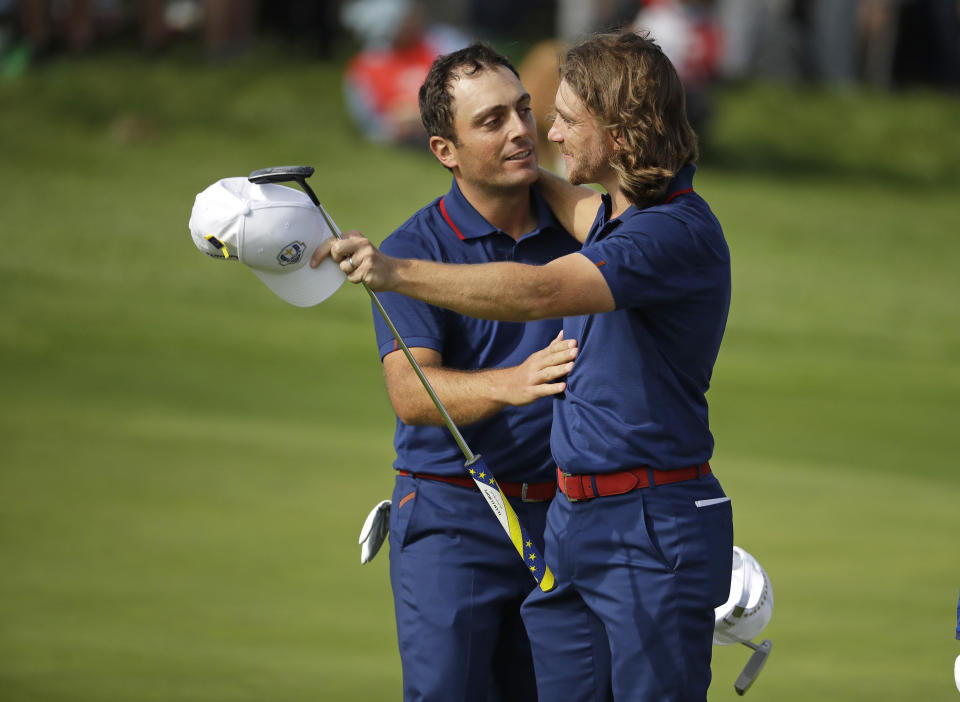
column 458, row 584
column 638, row 577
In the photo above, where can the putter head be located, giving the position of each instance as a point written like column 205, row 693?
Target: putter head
column 280, row 174
column 752, row 669
column 284, row 174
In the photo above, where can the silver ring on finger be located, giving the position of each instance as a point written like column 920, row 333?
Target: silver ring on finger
column 353, row 266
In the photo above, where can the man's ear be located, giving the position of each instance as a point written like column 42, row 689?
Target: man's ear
column 615, row 140
column 444, row 150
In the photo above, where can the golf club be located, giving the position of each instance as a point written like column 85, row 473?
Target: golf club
column 752, row 669
column 474, row 463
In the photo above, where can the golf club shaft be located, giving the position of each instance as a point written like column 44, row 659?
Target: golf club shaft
column 457, row 436
column 487, row 485
column 447, row 419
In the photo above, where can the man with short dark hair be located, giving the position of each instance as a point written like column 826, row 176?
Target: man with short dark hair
column 457, row 581
column 640, row 542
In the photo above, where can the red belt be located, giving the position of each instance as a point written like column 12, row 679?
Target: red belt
column 586, row 487
column 528, row 492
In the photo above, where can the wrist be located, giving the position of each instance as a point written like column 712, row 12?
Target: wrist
column 499, row 384
column 399, row 275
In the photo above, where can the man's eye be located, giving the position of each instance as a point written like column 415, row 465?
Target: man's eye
column 492, row 123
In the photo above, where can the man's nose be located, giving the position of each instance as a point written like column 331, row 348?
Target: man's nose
column 554, row 132
column 519, row 127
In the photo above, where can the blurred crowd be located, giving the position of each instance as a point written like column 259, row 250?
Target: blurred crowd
column 41, row 29
column 879, row 43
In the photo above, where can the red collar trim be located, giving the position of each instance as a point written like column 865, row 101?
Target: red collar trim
column 672, row 195
column 443, row 211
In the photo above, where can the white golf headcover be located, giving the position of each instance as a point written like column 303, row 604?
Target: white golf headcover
column 750, row 605
column 374, row 531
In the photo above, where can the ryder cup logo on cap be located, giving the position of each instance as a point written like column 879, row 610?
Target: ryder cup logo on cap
column 272, row 229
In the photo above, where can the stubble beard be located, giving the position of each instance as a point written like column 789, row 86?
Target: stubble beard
column 587, row 168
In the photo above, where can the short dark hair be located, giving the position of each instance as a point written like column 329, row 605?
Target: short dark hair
column 633, row 91
column 436, row 102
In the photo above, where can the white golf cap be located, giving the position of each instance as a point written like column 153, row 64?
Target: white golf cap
column 750, row 605
column 272, row 229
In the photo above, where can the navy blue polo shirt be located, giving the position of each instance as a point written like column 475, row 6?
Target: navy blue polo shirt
column 636, row 394
column 515, row 442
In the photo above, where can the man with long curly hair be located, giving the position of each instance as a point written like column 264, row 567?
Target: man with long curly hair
column 641, row 543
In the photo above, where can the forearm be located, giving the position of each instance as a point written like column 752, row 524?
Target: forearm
column 510, row 292
column 468, row 396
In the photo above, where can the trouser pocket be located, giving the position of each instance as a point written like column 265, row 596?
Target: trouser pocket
column 716, row 528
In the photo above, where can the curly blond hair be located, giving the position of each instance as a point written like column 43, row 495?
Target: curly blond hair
column 633, row 92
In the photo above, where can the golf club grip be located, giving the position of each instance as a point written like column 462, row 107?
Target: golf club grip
column 481, row 474
column 507, row 516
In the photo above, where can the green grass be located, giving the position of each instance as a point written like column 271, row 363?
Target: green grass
column 185, row 460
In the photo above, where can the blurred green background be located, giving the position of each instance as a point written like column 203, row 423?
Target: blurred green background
column 185, row 460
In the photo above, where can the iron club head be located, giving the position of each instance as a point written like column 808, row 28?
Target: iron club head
column 752, row 669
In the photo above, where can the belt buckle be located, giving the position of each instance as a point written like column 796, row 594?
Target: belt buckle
column 523, row 493
column 566, row 494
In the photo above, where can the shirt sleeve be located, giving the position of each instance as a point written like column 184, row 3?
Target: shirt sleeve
column 642, row 268
column 419, row 324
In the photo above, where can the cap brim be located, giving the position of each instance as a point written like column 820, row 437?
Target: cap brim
column 306, row 286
